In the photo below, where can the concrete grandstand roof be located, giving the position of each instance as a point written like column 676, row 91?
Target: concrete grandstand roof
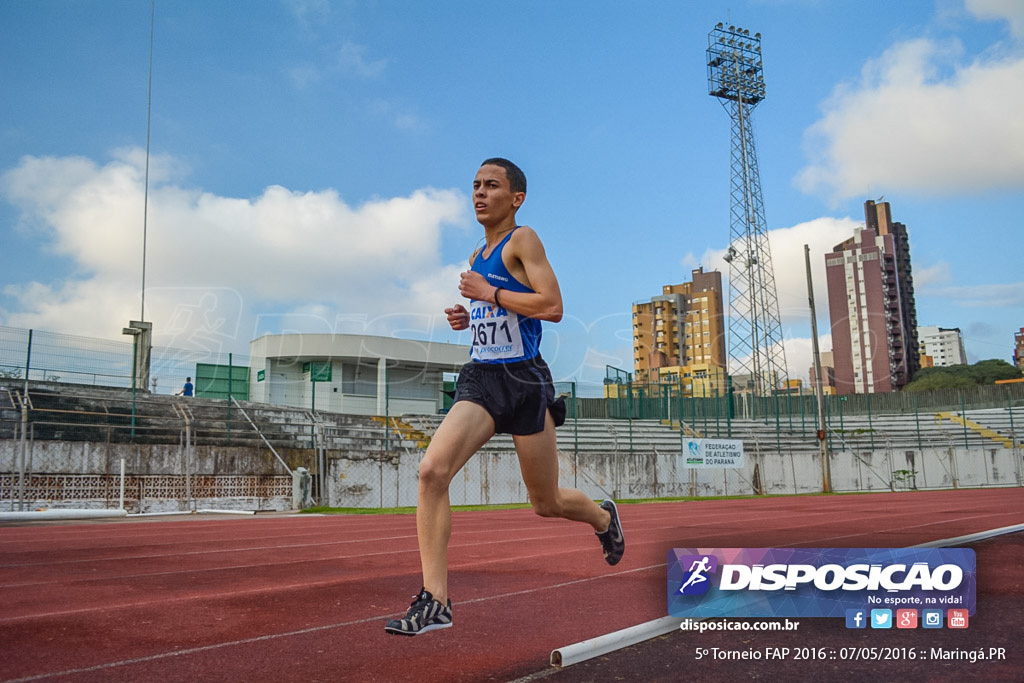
column 360, row 347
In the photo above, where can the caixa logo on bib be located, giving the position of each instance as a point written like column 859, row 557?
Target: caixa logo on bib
column 786, row 582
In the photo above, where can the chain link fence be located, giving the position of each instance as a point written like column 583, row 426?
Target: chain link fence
column 68, row 414
column 33, row 355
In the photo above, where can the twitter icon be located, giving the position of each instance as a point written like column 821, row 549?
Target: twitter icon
column 881, row 618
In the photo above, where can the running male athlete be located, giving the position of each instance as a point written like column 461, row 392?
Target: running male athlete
column 505, row 388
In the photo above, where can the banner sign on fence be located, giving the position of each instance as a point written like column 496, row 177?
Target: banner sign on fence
column 818, row 582
column 318, row 372
column 714, row 452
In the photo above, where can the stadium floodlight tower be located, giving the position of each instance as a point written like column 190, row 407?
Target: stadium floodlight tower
column 755, row 347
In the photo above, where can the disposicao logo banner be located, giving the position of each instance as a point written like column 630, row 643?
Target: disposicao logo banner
column 817, row 582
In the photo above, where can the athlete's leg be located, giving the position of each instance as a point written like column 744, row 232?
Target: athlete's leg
column 465, row 428
column 538, row 460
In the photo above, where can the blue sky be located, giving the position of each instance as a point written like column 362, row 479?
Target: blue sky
column 311, row 160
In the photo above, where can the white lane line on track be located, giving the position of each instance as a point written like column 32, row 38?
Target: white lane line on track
column 304, row 631
column 307, row 584
column 207, row 648
column 816, row 543
column 277, row 586
column 334, row 559
column 461, row 541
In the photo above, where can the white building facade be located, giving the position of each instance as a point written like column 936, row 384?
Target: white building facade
column 348, row 373
column 944, row 345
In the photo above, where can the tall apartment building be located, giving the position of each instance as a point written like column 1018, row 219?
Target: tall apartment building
column 945, row 346
column 681, row 332
column 828, row 374
column 1018, row 349
column 871, row 306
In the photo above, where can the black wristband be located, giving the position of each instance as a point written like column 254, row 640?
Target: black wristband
column 496, row 290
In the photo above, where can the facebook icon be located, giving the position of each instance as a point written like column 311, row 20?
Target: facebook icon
column 856, row 618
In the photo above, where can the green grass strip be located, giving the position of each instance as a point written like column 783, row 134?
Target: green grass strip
column 525, row 506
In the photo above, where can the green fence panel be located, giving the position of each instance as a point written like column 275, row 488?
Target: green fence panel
column 222, row 381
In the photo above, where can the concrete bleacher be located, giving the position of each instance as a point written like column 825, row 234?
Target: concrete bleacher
column 110, row 415
column 591, row 435
column 910, row 432
column 373, row 461
column 986, row 428
column 74, row 413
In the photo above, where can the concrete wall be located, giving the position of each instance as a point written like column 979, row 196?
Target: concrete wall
column 85, row 457
column 372, row 476
column 493, row 476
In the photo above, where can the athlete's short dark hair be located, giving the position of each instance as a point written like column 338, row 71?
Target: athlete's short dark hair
column 516, row 177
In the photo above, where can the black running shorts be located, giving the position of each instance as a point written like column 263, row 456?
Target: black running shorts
column 517, row 395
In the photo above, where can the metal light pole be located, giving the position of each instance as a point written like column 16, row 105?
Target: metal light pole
column 755, row 330
column 819, row 392
column 145, row 191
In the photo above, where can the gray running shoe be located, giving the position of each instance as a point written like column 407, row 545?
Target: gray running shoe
column 425, row 614
column 612, row 541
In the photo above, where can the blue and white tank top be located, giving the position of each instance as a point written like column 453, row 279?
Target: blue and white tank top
column 500, row 335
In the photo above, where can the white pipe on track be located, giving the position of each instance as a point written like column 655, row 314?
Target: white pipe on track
column 58, row 514
column 617, row 640
column 52, row 515
column 206, row 511
column 610, row 642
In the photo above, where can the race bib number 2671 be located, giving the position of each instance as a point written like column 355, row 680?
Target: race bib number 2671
column 495, row 332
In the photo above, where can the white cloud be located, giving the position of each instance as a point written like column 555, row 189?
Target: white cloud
column 800, row 355
column 821, row 235
column 1010, row 10
column 789, row 266
column 219, row 268
column 1009, row 295
column 350, row 61
column 922, row 120
column 580, row 351
column 931, row 276
column 307, row 11
column 399, row 118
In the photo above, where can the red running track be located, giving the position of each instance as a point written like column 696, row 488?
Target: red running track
column 304, row 598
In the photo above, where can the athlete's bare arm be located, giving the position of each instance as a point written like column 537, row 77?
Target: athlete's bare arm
column 526, row 261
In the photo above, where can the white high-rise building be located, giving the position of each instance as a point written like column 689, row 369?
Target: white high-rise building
column 945, row 346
